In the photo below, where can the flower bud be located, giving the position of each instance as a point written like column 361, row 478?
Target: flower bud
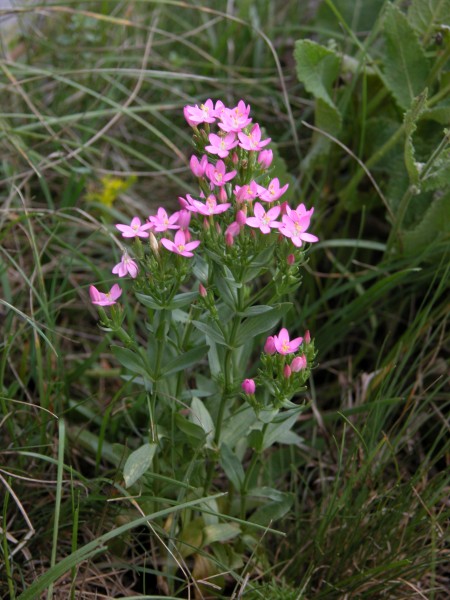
column 153, row 243
column 307, row 337
column 287, row 371
column 229, row 240
column 202, row 290
column 290, row 260
column 233, row 229
column 235, row 158
column 269, row 346
column 298, row 363
column 265, row 158
column 184, row 218
column 241, row 217
column 248, row 386
column 222, row 194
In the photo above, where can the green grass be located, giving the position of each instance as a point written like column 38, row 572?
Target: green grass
column 96, row 89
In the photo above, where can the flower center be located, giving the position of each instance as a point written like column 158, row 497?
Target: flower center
column 180, row 247
column 285, row 346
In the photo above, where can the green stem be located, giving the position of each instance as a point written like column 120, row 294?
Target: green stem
column 247, row 478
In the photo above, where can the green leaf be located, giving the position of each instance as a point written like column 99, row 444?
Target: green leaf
column 212, row 331
column 232, row 466
column 276, row 431
column 406, row 67
column 411, row 117
column 261, row 323
column 427, row 16
column 199, row 415
column 237, row 426
column 185, row 361
column 178, row 301
column 138, row 463
column 193, row 431
column 434, row 223
column 279, row 505
column 220, row 532
column 132, row 361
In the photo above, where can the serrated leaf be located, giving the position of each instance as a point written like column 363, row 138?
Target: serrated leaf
column 138, row 463
column 426, row 16
column 406, row 67
column 434, row 223
column 185, row 361
column 439, row 113
column 411, row 117
column 199, row 415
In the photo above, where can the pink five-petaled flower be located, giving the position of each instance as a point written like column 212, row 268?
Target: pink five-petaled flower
column 234, row 119
column 262, row 219
column 273, row 192
column 105, row 299
column 217, row 173
column 294, row 226
column 252, row 140
column 248, row 386
column 134, row 229
column 209, row 208
column 204, row 113
column 126, row 265
column 162, row 222
column 198, row 167
column 284, row 345
column 179, row 245
column 221, row 145
column 249, row 191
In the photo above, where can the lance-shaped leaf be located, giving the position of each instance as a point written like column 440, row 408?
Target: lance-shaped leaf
column 138, row 463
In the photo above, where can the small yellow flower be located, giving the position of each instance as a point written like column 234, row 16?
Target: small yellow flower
column 111, row 188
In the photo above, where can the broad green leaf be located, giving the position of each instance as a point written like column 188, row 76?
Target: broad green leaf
column 262, row 323
column 439, row 113
column 212, row 331
column 406, row 67
column 237, row 426
column 410, row 120
column 434, row 223
column 185, row 361
column 439, row 175
column 199, row 415
column 220, row 532
column 279, row 505
column 138, row 463
column 256, row 310
column 191, row 537
column 178, row 301
column 232, row 466
column 132, row 361
column 192, row 430
column 427, row 16
column 275, row 432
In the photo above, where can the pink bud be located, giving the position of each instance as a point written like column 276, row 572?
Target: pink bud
column 269, row 346
column 186, row 116
column 307, row 337
column 287, row 371
column 249, row 386
column 202, row 290
column 205, row 223
column 283, row 210
column 233, row 229
column 222, row 194
column 184, row 218
column 290, row 259
column 235, row 158
column 298, row 363
column 229, row 240
column 265, row 158
column 218, row 228
column 241, row 217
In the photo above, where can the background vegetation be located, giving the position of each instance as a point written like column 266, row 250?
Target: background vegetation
column 355, row 96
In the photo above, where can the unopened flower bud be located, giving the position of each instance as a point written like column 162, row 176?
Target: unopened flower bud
column 218, row 228
column 298, row 363
column 153, row 243
column 265, row 158
column 205, row 223
column 222, row 194
column 184, row 218
column 290, row 259
column 202, row 290
column 235, row 158
column 229, row 240
column 283, row 210
column 248, row 386
column 307, row 337
column 269, row 346
column 287, row 371
column 241, row 217
column 233, row 229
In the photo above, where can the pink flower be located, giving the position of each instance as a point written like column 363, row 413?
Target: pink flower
column 252, row 140
column 162, row 221
column 265, row 158
column 179, row 245
column 235, row 119
column 248, row 386
column 134, row 229
column 248, row 191
column 285, row 346
column 198, row 167
column 221, row 145
column 273, row 192
column 217, row 173
column 210, row 207
column 200, row 114
column 295, row 226
column 105, row 299
column 298, row 364
column 126, row 266
column 269, row 346
column 184, row 218
column 185, row 202
column 264, row 221
column 219, row 108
